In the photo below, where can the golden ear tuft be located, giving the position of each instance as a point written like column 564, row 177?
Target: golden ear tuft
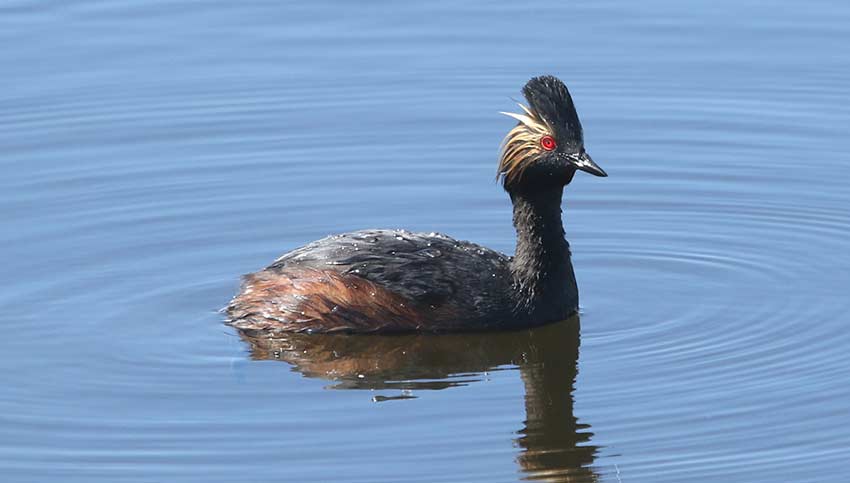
column 522, row 144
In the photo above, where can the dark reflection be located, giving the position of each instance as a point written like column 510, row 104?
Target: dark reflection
column 555, row 447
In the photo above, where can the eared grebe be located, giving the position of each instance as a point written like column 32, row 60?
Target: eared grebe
column 394, row 280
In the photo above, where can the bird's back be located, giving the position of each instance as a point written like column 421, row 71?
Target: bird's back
column 370, row 280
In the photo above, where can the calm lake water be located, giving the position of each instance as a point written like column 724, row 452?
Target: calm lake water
column 152, row 153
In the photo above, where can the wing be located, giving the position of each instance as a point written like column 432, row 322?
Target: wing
column 430, row 269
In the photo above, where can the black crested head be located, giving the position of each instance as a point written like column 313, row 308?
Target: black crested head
column 549, row 97
column 546, row 147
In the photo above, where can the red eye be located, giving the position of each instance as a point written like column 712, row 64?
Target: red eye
column 548, row 143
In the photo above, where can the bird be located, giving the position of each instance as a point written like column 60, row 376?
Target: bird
column 390, row 280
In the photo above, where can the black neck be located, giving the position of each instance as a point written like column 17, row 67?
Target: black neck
column 543, row 274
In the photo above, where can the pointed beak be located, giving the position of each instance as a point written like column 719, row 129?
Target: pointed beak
column 584, row 162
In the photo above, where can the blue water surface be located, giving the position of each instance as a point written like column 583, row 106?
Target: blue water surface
column 153, row 152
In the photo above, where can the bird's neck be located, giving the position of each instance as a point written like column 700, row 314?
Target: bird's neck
column 544, row 282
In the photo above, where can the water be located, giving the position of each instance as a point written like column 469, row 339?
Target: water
column 152, row 153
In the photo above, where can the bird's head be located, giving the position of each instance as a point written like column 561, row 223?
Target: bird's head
column 547, row 146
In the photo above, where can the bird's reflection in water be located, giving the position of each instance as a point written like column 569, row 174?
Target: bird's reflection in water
column 554, row 446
